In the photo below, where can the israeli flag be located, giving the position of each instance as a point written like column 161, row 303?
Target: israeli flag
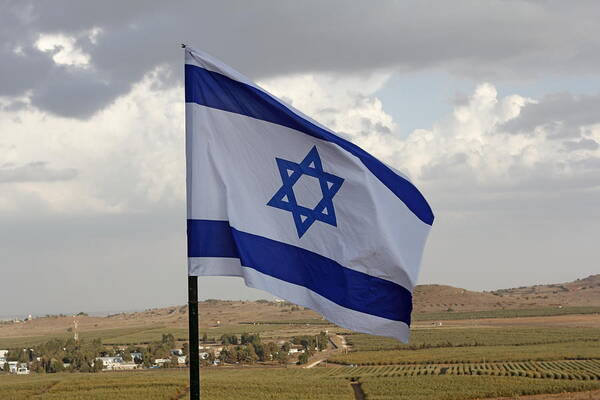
column 283, row 202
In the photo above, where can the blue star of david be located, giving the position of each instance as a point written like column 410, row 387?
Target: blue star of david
column 285, row 199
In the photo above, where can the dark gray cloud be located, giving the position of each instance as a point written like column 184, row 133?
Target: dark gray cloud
column 495, row 39
column 561, row 114
column 583, row 144
column 38, row 171
column 73, row 92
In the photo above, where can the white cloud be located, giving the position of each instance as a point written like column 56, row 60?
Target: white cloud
column 128, row 157
column 64, row 48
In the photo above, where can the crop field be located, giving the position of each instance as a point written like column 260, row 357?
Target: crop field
column 465, row 387
column 448, row 363
column 567, row 369
column 460, row 337
column 541, row 352
column 517, row 313
column 388, row 382
column 218, row 384
column 143, row 335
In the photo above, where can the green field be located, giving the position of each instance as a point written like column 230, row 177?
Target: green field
column 459, row 337
column 402, row 382
column 557, row 351
column 531, row 312
column 465, row 387
column 219, row 383
column 566, row 369
column 140, row 335
column 448, row 363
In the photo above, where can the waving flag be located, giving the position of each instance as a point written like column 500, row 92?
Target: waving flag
column 293, row 209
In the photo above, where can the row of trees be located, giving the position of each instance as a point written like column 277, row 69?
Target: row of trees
column 310, row 344
column 59, row 355
column 54, row 354
column 81, row 355
column 249, row 349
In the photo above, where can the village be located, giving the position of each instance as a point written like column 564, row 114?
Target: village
column 78, row 355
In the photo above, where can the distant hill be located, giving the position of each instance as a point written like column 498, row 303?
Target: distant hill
column 214, row 313
column 581, row 292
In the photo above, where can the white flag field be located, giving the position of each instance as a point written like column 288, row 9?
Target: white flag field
column 294, row 209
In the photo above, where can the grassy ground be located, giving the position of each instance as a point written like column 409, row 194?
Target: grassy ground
column 271, row 384
column 464, row 387
column 218, row 384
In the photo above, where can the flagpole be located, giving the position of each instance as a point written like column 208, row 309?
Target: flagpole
column 194, row 356
column 193, row 332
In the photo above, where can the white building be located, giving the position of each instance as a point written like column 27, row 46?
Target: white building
column 23, row 369
column 111, row 363
column 15, row 367
column 125, row 366
column 12, row 367
column 136, row 354
column 214, row 348
column 161, row 361
column 295, row 350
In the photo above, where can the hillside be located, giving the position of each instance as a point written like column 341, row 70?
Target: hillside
column 221, row 313
column 579, row 293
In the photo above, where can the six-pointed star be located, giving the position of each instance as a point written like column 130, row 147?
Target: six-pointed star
column 285, row 198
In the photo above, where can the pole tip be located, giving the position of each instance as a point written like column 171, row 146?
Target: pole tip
column 183, row 46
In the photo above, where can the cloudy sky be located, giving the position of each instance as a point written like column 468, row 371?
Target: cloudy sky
column 492, row 108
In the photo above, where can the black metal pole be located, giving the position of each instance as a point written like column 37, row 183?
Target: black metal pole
column 193, row 355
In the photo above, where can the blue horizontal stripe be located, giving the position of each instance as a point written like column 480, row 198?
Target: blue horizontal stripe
column 215, row 90
column 346, row 287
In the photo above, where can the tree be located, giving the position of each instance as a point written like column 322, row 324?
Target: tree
column 12, row 355
column 229, row 339
column 282, row 357
column 249, row 354
column 98, row 366
column 260, row 351
column 303, row 358
column 55, row 366
column 322, row 341
column 169, row 340
column 211, row 357
column 6, row 367
column 204, row 337
column 24, row 356
column 146, row 358
column 229, row 355
column 85, row 367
